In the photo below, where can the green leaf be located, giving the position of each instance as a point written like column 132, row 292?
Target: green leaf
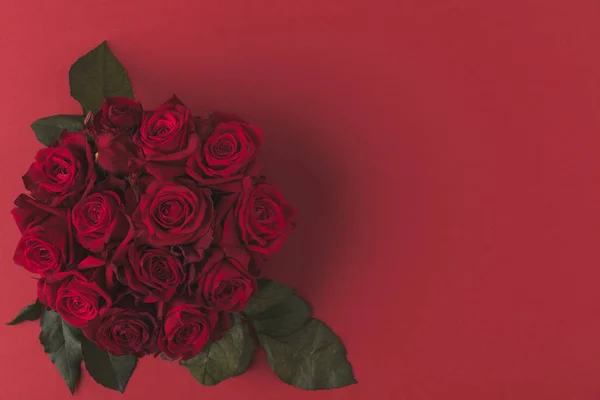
column 276, row 311
column 284, row 318
column 61, row 342
column 225, row 358
column 312, row 358
column 98, row 75
column 269, row 293
column 29, row 313
column 48, row 129
column 110, row 371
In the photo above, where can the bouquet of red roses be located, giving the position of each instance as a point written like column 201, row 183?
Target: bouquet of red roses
column 149, row 230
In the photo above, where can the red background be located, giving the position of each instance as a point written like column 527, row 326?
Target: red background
column 442, row 154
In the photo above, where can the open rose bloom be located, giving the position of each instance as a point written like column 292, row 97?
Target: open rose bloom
column 148, row 231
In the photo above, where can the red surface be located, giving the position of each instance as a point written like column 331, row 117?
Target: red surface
column 442, row 154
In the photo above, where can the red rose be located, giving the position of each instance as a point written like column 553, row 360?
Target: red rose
column 122, row 331
column 77, row 298
column 172, row 213
column 47, row 245
column 186, row 329
column 153, row 272
column 100, row 221
column 44, row 249
column 167, row 137
column 225, row 283
column 117, row 115
column 111, row 129
column 227, row 155
column 63, row 172
column 259, row 217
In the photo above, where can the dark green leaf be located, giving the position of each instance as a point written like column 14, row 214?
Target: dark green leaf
column 29, row 313
column 276, row 311
column 312, row 358
column 284, row 318
column 269, row 293
column 98, row 75
column 48, row 129
column 225, row 358
column 61, row 342
column 110, row 371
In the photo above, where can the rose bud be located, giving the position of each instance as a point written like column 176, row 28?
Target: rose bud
column 118, row 115
column 112, row 128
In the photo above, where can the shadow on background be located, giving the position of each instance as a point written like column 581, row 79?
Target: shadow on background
column 310, row 180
